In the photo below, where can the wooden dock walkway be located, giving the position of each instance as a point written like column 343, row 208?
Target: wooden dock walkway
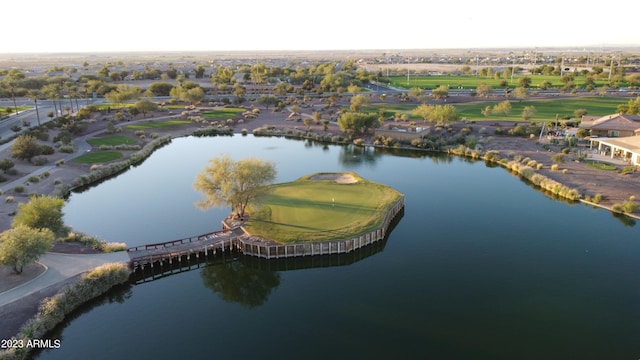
column 228, row 239
column 177, row 250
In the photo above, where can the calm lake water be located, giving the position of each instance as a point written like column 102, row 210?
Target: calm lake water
column 481, row 266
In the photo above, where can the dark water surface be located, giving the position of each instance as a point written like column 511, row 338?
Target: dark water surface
column 481, row 266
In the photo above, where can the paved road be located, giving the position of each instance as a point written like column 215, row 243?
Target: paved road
column 60, row 267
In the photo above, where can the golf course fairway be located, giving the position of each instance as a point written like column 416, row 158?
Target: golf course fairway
column 320, row 207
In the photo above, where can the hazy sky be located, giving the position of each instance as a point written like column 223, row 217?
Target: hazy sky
column 135, row 25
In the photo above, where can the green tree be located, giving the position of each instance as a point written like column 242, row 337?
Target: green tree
column 144, row 106
column 199, row 72
column 353, row 89
column 160, row 88
column 281, row 88
column 503, row 107
column 41, row 212
column 357, row 122
column 524, row 82
column 631, row 107
column 486, row 111
column 267, row 100
column 258, row 73
column 22, row 245
column 520, row 93
column 193, row 96
column 545, row 85
column 123, row 93
column 104, row 72
column 440, row 92
column 234, row 183
column 483, row 89
column 358, row 102
column 527, row 112
column 25, row 147
column 579, row 113
column 424, row 111
column 442, row 114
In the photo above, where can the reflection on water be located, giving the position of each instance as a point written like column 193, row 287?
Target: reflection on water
column 481, row 266
column 249, row 280
column 235, row 282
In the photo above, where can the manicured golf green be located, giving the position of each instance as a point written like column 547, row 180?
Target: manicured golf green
column 221, row 114
column 157, row 124
column 98, row 157
column 309, row 210
column 112, row 141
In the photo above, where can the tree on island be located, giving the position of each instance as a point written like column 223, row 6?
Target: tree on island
column 226, row 182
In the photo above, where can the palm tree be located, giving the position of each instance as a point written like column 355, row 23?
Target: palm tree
column 52, row 91
column 33, row 95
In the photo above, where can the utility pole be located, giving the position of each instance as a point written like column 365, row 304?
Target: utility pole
column 407, row 71
column 611, row 67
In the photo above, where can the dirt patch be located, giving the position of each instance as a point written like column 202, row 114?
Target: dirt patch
column 340, row 178
column 73, row 248
column 9, row 279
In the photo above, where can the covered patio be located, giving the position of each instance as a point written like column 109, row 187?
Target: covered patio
column 625, row 149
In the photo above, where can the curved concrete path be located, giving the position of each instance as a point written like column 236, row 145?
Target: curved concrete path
column 60, row 267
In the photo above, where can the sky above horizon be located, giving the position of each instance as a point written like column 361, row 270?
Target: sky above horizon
column 194, row 25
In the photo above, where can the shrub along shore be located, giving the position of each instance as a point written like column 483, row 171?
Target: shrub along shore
column 526, row 169
column 52, row 311
column 523, row 166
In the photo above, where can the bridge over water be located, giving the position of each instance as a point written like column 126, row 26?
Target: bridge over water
column 234, row 238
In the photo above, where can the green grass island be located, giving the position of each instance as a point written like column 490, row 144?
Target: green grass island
column 322, row 207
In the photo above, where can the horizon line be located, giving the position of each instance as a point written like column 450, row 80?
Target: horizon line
column 486, row 48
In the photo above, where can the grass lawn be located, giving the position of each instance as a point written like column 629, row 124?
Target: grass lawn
column 157, row 124
column 98, row 157
column 112, row 141
column 3, row 109
column 112, row 106
column 221, row 114
column 320, row 210
column 546, row 109
column 472, row 81
column 600, row 165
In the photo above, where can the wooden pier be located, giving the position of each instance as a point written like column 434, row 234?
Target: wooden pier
column 228, row 239
column 182, row 249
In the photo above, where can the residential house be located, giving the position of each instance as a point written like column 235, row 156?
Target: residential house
column 624, row 148
column 615, row 125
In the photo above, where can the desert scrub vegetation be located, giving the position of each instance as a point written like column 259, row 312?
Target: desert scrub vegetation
column 52, row 311
column 94, row 242
column 270, row 130
column 213, row 131
column 627, row 207
column 596, row 199
column 542, row 181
